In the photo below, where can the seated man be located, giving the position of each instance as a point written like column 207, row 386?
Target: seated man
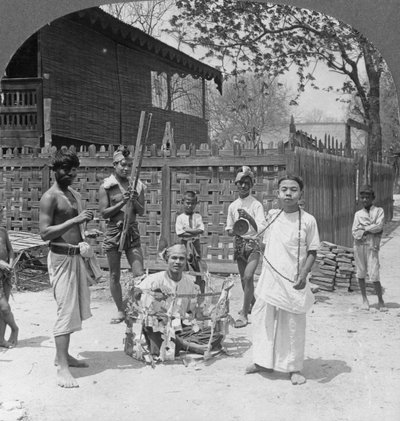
column 168, row 302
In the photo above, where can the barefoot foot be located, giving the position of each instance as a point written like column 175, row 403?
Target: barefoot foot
column 73, row 362
column 255, row 368
column 365, row 305
column 65, row 379
column 5, row 344
column 382, row 306
column 13, row 339
column 297, row 378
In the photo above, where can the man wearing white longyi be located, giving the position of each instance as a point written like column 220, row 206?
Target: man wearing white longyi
column 283, row 295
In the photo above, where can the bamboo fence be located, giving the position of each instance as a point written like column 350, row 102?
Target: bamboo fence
column 330, row 193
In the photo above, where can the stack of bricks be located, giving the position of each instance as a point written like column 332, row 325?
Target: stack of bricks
column 323, row 273
column 334, row 269
column 345, row 271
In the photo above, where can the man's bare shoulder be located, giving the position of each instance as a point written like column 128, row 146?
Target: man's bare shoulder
column 51, row 194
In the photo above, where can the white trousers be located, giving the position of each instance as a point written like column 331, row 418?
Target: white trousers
column 278, row 337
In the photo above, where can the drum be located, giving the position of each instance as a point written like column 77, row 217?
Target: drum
column 241, row 227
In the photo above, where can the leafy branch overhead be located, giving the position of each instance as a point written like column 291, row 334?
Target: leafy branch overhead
column 270, row 39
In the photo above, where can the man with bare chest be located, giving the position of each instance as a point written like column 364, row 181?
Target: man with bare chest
column 61, row 222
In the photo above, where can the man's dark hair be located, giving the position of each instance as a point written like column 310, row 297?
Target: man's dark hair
column 295, row 178
column 190, row 193
column 65, row 157
column 124, row 150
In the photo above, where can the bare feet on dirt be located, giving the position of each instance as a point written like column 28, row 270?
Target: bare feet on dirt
column 65, row 379
column 73, row 362
column 12, row 340
column 382, row 306
column 365, row 305
column 5, row 344
column 297, row 378
column 255, row 368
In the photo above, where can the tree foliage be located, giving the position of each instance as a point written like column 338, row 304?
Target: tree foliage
column 148, row 16
column 269, row 39
column 249, row 105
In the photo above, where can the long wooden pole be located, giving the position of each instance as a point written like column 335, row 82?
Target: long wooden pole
column 139, row 165
column 136, row 158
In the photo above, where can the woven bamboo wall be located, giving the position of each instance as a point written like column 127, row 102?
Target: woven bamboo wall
column 210, row 173
column 330, row 189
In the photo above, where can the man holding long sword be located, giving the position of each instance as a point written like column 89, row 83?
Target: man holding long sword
column 114, row 196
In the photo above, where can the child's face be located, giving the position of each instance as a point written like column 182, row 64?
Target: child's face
column 189, row 204
column 366, row 199
column 244, row 186
column 289, row 193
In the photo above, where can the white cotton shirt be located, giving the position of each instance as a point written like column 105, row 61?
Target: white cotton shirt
column 254, row 208
column 281, row 250
column 162, row 281
column 182, row 222
column 372, row 221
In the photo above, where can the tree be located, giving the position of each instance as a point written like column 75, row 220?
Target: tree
column 268, row 39
column 249, row 105
column 145, row 15
column 389, row 114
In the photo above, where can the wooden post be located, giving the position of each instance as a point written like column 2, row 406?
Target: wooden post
column 165, row 231
column 47, row 121
column 347, row 142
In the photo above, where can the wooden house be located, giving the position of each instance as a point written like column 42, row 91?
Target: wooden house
column 85, row 78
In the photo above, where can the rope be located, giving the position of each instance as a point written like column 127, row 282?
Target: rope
column 298, row 249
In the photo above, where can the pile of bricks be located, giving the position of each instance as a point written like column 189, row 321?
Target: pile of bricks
column 334, row 269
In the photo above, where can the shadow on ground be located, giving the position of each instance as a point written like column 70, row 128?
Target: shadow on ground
column 100, row 361
column 324, row 371
column 35, row 342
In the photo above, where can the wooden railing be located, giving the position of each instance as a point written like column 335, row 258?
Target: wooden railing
column 21, row 115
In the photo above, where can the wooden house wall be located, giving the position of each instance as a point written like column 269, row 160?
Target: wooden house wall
column 98, row 89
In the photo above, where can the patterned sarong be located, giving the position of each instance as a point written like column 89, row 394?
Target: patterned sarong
column 244, row 248
column 112, row 237
column 69, row 279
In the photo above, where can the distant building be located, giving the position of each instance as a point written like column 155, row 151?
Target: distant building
column 86, row 77
column 320, row 130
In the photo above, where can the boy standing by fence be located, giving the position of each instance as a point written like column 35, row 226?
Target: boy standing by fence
column 367, row 232
column 189, row 226
column 6, row 316
column 246, row 246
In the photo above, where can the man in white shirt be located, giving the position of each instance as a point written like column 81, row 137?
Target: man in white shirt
column 246, row 246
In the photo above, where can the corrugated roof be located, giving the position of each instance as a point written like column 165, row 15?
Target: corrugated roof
column 132, row 37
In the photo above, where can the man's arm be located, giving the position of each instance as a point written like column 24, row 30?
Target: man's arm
column 302, row 277
column 377, row 225
column 245, row 215
column 50, row 232
column 107, row 211
column 138, row 202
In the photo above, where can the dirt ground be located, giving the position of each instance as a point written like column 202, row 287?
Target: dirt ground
column 352, row 365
